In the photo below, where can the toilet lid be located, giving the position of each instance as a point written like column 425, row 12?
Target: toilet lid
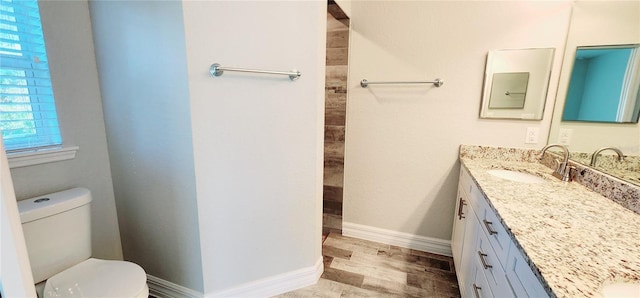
column 98, row 278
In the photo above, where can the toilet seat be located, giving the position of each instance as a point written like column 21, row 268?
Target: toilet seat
column 99, row 278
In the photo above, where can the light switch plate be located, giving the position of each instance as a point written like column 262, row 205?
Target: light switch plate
column 564, row 137
column 532, row 135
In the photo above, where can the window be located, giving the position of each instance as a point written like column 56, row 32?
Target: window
column 28, row 116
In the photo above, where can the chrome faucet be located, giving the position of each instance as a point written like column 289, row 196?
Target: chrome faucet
column 562, row 172
column 594, row 157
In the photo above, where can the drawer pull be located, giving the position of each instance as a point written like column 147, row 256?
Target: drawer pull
column 460, row 206
column 483, row 261
column 487, row 224
column 476, row 289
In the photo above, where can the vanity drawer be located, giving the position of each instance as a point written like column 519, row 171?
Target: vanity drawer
column 487, row 260
column 489, row 222
column 477, row 200
column 496, row 233
column 465, row 181
column 478, row 286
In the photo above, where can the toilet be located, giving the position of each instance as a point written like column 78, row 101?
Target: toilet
column 57, row 231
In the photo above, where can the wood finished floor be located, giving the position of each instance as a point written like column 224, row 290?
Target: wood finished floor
column 360, row 268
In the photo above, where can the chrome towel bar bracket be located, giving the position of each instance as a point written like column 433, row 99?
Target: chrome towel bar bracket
column 217, row 70
column 437, row 82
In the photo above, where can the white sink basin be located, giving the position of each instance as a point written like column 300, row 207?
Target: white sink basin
column 621, row 290
column 516, row 176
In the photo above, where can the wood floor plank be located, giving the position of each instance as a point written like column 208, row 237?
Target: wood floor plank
column 394, row 248
column 326, row 260
column 369, row 270
column 354, row 292
column 431, row 280
column 447, row 289
column 333, row 242
column 388, row 262
column 361, row 268
column 422, row 282
column 342, row 276
column 393, row 288
column 440, row 275
column 358, row 242
column 422, row 260
column 335, row 252
column 324, row 288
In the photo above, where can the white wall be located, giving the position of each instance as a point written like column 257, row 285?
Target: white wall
column 401, row 168
column 256, row 160
column 67, row 32
column 15, row 272
column 598, row 23
column 143, row 74
column 257, row 139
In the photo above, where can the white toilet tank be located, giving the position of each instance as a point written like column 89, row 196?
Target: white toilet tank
column 57, row 231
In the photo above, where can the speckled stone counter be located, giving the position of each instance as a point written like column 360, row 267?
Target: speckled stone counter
column 627, row 170
column 575, row 240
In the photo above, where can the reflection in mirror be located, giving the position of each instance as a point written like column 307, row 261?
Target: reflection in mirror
column 604, row 85
column 627, row 169
column 597, row 23
column 508, row 90
column 516, row 83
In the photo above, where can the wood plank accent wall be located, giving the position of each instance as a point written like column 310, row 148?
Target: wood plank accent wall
column 335, row 114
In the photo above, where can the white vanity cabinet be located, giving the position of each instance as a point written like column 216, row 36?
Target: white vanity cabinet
column 477, row 284
column 522, row 280
column 488, row 264
column 459, row 222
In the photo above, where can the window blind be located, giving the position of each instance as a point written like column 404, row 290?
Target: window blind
column 28, row 118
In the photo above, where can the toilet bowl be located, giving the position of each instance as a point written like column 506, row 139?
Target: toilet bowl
column 58, row 236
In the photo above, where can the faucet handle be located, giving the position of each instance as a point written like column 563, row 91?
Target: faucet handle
column 558, row 171
column 570, row 173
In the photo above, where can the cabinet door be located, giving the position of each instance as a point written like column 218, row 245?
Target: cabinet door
column 496, row 234
column 477, row 286
column 459, row 222
column 466, row 270
column 520, row 276
column 487, row 261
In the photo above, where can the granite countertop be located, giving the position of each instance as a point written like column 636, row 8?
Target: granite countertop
column 628, row 169
column 631, row 176
column 577, row 240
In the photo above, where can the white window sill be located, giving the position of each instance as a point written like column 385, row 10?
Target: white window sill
column 36, row 157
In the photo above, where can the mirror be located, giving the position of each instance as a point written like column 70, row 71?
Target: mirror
column 595, row 24
column 604, row 85
column 516, row 83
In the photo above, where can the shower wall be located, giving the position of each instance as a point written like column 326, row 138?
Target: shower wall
column 335, row 115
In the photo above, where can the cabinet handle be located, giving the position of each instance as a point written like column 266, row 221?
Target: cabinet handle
column 460, row 206
column 476, row 289
column 487, row 225
column 483, row 261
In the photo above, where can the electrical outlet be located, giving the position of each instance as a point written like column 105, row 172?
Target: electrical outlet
column 564, row 137
column 532, row 135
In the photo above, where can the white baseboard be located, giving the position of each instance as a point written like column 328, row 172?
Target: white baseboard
column 161, row 288
column 278, row 284
column 421, row 243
